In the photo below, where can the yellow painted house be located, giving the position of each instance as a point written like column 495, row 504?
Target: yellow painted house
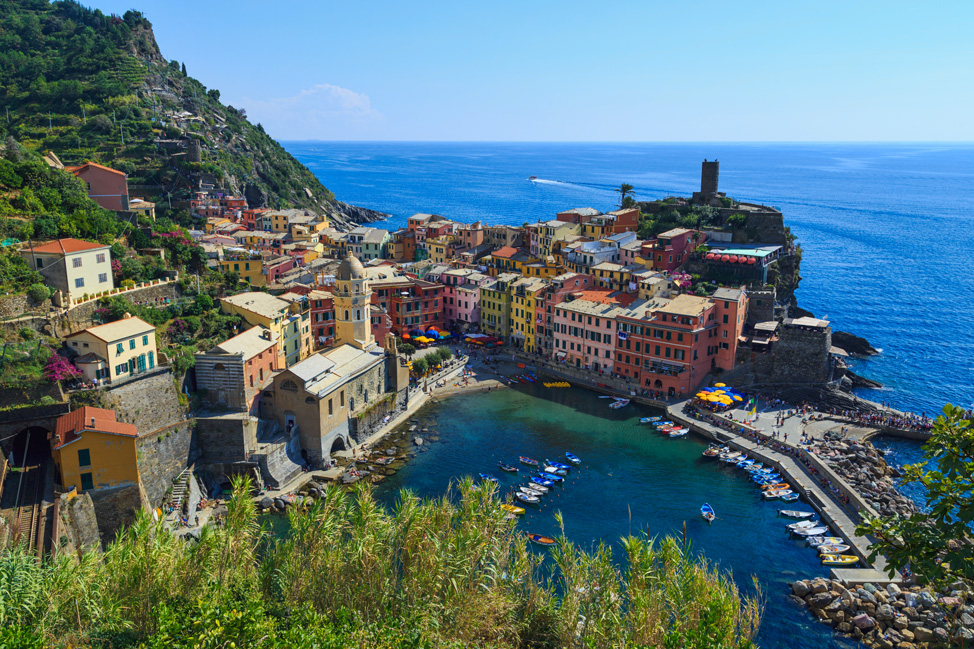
column 92, row 449
column 248, row 265
column 441, row 248
column 114, row 351
column 495, row 305
column 524, row 300
column 290, row 319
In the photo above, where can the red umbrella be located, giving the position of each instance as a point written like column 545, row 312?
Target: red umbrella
column 752, row 260
column 733, row 259
column 742, row 259
column 711, row 255
column 725, row 258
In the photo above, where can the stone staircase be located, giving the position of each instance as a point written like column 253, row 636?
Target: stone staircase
column 180, row 488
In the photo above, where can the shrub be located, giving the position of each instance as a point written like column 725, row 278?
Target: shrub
column 26, row 333
column 38, row 292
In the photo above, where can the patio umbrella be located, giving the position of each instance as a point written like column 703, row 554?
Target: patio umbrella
column 720, row 385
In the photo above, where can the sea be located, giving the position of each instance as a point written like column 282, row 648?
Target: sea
column 885, row 230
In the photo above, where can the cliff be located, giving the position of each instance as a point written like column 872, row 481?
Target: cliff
column 89, row 86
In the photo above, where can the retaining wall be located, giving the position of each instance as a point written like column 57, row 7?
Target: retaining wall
column 163, row 453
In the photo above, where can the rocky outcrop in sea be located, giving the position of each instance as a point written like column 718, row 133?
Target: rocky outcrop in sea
column 865, row 469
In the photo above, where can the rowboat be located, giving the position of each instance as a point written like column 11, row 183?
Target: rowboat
column 811, row 531
column 744, row 464
column 525, row 498
column 558, row 465
column 708, row 513
column 832, row 548
column 540, row 540
column 803, row 525
column 530, row 491
column 794, row 513
column 664, row 423
column 619, row 403
column 679, row 432
column 776, row 493
column 731, row 457
column 754, row 468
column 555, row 470
column 839, row 559
column 507, row 467
column 551, row 476
column 528, row 461
column 816, row 541
column 714, row 451
column 512, row 509
column 540, row 481
column 778, row 486
column 790, row 498
column 486, row 477
column 540, row 488
column 649, row 420
column 574, row 459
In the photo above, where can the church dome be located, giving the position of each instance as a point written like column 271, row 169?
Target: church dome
column 350, row 268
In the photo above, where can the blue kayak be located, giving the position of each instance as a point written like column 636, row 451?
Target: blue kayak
column 558, row 465
column 574, row 459
column 552, row 477
column 541, row 481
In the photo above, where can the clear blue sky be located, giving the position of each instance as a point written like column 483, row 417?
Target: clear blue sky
column 694, row 70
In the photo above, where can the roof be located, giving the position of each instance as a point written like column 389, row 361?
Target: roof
column 675, row 232
column 248, row 344
column 769, row 326
column 375, row 235
column 757, row 251
column 118, row 330
column 732, row 294
column 590, row 307
column 325, row 371
column 504, row 253
column 604, row 296
column 350, row 268
column 92, row 165
column 67, row 246
column 260, row 303
column 582, row 211
column 90, row 357
column 688, row 305
column 813, row 323
column 70, row 427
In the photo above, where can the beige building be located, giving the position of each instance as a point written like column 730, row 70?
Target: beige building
column 74, row 267
column 115, row 351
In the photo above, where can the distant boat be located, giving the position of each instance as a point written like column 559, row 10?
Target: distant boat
column 708, row 513
column 554, row 471
column 793, row 513
column 839, row 559
column 552, row 477
column 619, row 403
column 559, row 465
column 573, row 458
column 803, row 525
column 528, row 461
column 544, row 482
column 540, row 484
column 832, row 548
column 812, row 531
column 790, row 498
column 532, row 177
column 512, row 509
column 816, row 541
column 507, row 467
column 649, row 420
column 540, row 540
column 486, row 477
column 679, row 432
column 525, row 498
column 530, row 490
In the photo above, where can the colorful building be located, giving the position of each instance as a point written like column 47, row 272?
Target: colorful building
column 106, row 186
column 112, row 352
column 92, row 449
column 495, row 305
column 247, row 264
column 669, row 250
column 74, row 267
column 232, row 372
column 524, row 300
column 289, row 319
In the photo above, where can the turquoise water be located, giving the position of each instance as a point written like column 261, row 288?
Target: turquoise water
column 631, row 480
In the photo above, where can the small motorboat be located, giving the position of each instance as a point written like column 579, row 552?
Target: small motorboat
column 532, row 177
column 743, row 464
column 794, row 513
column 649, row 420
column 555, row 470
column 790, row 498
column 777, row 486
column 486, row 477
column 754, row 468
column 574, row 459
column 507, row 467
column 776, row 493
column 679, row 432
column 811, row 531
column 551, row 476
column 531, row 491
column 541, row 481
column 708, row 513
column 619, row 403
column 803, row 525
column 731, row 457
column 528, row 461
column 512, row 509
column 558, row 465
column 661, row 424
column 832, row 548
column 714, row 451
column 540, row 539
column 839, row 559
column 525, row 498
column 540, row 488
column 816, row 541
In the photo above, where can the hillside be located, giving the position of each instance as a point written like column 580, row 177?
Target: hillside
column 89, row 86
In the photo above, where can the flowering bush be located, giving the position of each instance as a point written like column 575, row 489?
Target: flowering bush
column 683, row 280
column 116, row 268
column 58, row 368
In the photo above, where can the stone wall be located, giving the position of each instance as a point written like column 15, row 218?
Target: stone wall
column 77, row 525
column 163, row 453
column 80, row 316
column 115, row 507
column 760, row 305
column 281, row 461
column 15, row 306
column 798, row 358
column 149, row 401
column 226, row 439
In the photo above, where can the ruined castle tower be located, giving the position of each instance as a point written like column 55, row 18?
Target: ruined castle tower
column 708, row 180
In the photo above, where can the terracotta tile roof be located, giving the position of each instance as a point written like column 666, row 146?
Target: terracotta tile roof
column 505, row 252
column 71, row 426
column 64, row 246
column 605, row 296
column 93, row 165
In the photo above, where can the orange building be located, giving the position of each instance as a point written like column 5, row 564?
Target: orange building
column 92, row 449
column 106, row 186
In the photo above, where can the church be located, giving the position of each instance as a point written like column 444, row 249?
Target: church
column 329, row 397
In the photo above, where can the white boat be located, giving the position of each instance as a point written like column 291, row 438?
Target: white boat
column 619, row 403
column 794, row 513
column 731, row 457
column 832, row 548
column 525, row 498
column 777, row 493
column 803, row 525
column 555, row 470
column 530, row 490
column 816, row 541
column 679, row 432
column 811, row 531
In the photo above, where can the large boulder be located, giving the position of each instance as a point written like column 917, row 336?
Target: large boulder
column 800, row 588
column 820, row 600
column 863, row 622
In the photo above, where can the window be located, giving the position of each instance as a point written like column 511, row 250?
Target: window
column 86, row 482
column 289, row 385
column 119, row 348
column 102, row 278
column 84, row 457
column 79, row 282
column 132, row 344
column 341, row 399
column 76, row 262
column 145, row 340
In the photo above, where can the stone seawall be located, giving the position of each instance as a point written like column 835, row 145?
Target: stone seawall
column 76, row 525
column 163, row 454
column 115, row 507
column 149, row 401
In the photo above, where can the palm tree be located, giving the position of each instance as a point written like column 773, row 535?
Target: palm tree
column 625, row 193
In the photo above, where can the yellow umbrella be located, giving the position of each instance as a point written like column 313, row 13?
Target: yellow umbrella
column 720, row 385
column 738, row 397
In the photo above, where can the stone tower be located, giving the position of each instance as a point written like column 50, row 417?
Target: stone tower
column 353, row 299
column 708, row 180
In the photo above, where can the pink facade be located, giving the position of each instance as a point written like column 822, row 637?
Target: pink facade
column 106, row 186
column 584, row 334
column 461, row 298
column 669, row 250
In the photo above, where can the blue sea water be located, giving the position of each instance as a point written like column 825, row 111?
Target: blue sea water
column 886, row 228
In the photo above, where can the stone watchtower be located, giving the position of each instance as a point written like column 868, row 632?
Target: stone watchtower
column 353, row 300
column 708, row 180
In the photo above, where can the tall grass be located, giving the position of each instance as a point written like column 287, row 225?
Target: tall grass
column 449, row 572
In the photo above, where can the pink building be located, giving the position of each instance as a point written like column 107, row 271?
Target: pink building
column 106, row 186
column 585, row 329
column 556, row 292
column 669, row 250
column 461, row 298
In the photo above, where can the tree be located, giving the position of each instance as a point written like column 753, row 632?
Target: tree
column 407, row 349
column 935, row 543
column 184, row 69
column 625, row 195
column 420, row 365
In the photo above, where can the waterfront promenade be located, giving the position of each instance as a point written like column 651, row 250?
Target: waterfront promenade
column 797, row 466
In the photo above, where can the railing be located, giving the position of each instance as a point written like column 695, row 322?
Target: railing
column 119, row 291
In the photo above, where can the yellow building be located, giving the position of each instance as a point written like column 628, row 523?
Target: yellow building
column 114, row 351
column 91, row 449
column 524, row 300
column 289, row 318
column 550, row 231
column 610, row 275
column 441, row 249
column 248, row 265
column 495, row 305
column 543, row 269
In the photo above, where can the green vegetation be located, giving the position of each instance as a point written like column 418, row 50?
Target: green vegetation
column 935, row 543
column 451, row 573
column 94, row 87
column 660, row 216
column 626, row 197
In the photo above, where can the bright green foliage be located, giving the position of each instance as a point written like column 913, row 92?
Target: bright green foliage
column 446, row 573
column 420, row 365
column 934, row 543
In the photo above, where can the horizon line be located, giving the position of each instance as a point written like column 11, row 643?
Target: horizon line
column 685, row 142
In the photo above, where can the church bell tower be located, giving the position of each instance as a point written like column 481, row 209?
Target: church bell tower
column 353, row 300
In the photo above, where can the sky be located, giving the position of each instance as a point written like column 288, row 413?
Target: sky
column 643, row 70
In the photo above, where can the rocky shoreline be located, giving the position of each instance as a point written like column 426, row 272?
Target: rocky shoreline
column 891, row 617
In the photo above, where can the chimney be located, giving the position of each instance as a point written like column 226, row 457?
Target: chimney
column 266, row 334
column 127, row 315
column 92, row 422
